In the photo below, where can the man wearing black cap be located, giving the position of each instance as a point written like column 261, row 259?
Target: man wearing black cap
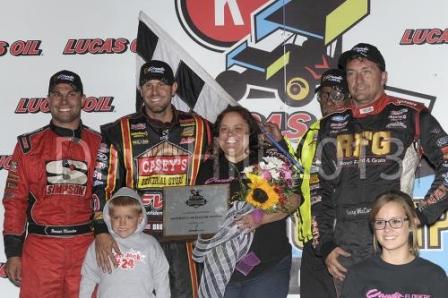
column 156, row 147
column 372, row 148
column 315, row 281
column 47, row 200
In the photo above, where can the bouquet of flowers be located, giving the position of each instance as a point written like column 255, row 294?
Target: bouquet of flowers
column 269, row 184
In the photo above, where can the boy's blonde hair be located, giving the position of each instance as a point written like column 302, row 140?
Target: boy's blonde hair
column 123, row 201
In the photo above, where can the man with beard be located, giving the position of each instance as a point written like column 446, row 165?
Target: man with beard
column 156, row 147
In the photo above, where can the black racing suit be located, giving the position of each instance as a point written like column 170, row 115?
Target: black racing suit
column 365, row 151
column 147, row 155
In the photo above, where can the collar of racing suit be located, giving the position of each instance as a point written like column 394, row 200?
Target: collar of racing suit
column 162, row 125
column 65, row 132
column 370, row 109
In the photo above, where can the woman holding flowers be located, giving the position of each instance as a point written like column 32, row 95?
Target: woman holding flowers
column 262, row 188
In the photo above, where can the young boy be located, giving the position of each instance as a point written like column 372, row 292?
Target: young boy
column 142, row 266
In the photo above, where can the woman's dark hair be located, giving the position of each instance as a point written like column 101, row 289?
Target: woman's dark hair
column 254, row 128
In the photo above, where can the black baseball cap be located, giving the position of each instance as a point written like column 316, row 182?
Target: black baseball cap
column 333, row 77
column 67, row 77
column 156, row 70
column 363, row 50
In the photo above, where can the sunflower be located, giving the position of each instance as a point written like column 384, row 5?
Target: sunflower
column 261, row 194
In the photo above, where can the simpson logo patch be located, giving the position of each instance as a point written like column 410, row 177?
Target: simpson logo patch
column 66, row 177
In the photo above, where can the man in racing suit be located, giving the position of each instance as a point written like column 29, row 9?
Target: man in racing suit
column 315, row 281
column 48, row 194
column 156, row 147
column 372, row 148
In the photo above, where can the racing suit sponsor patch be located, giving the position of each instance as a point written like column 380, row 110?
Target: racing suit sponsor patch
column 66, row 177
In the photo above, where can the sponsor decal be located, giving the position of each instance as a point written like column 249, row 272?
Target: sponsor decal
column 339, row 118
column 101, row 156
column 128, row 260
column 65, row 189
column 138, row 126
column 396, row 124
column 161, row 180
column 435, row 131
column 98, row 183
column 432, row 36
column 97, row 46
column 140, row 142
column 165, row 165
column 349, row 145
column 358, row 211
column 399, row 112
column 187, row 131
column 66, row 177
column 5, row 163
column 338, row 125
column 155, row 200
column 33, row 105
column 98, row 175
column 443, row 141
column 12, row 181
column 100, row 165
column 397, row 117
column 139, row 134
column 400, row 101
column 21, row 48
column 187, row 140
column 154, row 226
column 156, row 70
column 366, row 110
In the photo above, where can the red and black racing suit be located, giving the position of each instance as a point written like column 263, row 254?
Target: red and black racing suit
column 147, row 155
column 365, row 151
column 48, row 193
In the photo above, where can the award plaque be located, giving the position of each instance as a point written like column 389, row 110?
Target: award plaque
column 192, row 210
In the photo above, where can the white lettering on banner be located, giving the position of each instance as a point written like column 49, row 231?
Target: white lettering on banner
column 234, row 11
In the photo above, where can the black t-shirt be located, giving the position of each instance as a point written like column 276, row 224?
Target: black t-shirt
column 270, row 242
column 376, row 278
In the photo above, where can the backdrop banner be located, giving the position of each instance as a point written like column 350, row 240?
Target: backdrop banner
column 266, row 55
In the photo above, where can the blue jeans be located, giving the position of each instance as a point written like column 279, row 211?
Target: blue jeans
column 273, row 283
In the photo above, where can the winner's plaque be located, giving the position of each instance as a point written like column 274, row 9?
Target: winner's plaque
column 192, row 210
